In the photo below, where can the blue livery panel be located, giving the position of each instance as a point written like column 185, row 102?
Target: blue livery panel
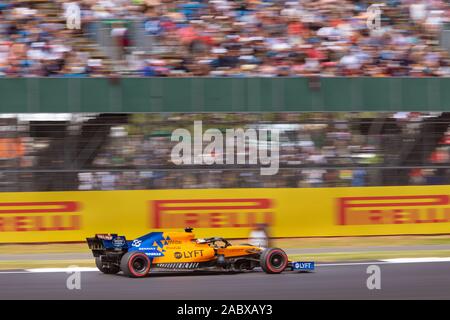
column 152, row 244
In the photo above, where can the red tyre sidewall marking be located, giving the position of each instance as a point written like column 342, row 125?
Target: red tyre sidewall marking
column 130, row 264
column 269, row 265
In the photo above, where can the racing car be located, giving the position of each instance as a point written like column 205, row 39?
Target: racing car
column 182, row 251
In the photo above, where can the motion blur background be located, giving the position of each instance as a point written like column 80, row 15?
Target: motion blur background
column 133, row 151
column 93, row 109
column 264, row 38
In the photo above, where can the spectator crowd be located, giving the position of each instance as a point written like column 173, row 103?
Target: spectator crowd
column 315, row 150
column 266, row 38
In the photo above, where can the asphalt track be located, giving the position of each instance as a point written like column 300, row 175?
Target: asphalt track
column 88, row 255
column 429, row 280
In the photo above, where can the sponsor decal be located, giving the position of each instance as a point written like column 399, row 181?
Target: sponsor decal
column 136, row 243
column 307, row 266
column 393, row 210
column 188, row 254
column 39, row 216
column 154, row 254
column 186, row 265
column 211, row 213
column 104, row 236
column 118, row 242
column 149, row 249
column 172, row 242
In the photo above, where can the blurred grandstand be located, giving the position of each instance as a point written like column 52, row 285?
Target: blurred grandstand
column 268, row 38
column 132, row 151
column 262, row 38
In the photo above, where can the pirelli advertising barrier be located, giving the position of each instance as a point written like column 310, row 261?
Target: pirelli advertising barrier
column 72, row 216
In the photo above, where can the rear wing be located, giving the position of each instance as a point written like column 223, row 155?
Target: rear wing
column 103, row 242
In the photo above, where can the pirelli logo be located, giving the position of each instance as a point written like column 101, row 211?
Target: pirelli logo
column 211, row 213
column 185, row 265
column 393, row 210
column 39, row 216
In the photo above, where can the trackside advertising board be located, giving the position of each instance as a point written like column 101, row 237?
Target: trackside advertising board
column 73, row 216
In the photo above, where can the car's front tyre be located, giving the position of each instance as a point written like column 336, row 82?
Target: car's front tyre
column 273, row 260
column 135, row 264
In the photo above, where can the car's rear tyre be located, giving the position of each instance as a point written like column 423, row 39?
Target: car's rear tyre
column 107, row 268
column 135, row 264
column 273, row 260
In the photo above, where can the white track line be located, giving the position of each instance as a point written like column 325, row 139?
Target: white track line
column 388, row 261
column 418, row 260
column 351, row 264
column 55, row 270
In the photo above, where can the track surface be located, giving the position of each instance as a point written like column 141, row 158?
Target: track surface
column 88, row 255
column 398, row 281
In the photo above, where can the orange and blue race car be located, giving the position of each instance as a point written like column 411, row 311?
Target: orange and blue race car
column 182, row 251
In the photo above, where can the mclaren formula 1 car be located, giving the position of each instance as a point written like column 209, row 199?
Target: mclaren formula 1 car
column 182, row 251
